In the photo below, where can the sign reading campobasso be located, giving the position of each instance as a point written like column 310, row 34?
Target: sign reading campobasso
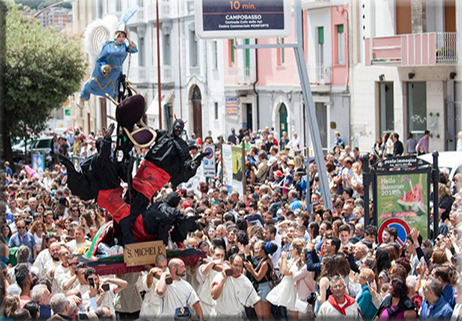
column 242, row 18
column 143, row 253
column 402, row 202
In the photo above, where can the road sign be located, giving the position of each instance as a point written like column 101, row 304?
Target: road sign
column 400, row 225
column 243, row 18
column 209, row 161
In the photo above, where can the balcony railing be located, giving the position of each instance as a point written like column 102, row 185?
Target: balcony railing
column 319, row 74
column 138, row 74
column 422, row 49
column 165, row 11
column 166, row 74
column 446, row 45
column 238, row 76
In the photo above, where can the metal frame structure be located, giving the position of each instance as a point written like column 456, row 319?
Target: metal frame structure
column 307, row 97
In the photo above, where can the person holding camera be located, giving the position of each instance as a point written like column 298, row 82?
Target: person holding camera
column 102, row 292
column 233, row 291
column 177, row 292
column 152, row 303
column 205, row 275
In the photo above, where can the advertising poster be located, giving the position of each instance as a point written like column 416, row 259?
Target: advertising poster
column 238, row 169
column 38, row 164
column 227, row 155
column 402, row 203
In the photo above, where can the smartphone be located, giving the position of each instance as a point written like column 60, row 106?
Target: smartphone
column 169, row 280
column 91, row 282
column 229, row 272
column 105, row 287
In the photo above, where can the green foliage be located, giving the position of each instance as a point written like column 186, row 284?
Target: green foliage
column 42, row 69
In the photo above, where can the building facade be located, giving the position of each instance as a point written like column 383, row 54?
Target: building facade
column 406, row 71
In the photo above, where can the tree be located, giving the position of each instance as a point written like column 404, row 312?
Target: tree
column 41, row 69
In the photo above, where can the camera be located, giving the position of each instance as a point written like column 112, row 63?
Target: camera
column 168, row 280
column 105, row 287
column 312, row 298
column 229, row 272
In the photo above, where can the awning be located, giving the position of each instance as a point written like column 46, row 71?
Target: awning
column 154, row 106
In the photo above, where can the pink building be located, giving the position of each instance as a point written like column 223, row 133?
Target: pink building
column 267, row 85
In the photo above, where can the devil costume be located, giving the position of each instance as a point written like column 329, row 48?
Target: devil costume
column 168, row 160
column 99, row 172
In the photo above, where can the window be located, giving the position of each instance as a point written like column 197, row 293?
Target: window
column 118, row 5
column 141, row 62
column 167, row 50
column 231, row 52
column 340, row 45
column 194, row 50
column 281, row 53
column 320, row 47
column 140, row 3
column 247, row 59
column 215, row 55
column 100, row 9
column 417, row 108
column 216, row 110
column 386, row 107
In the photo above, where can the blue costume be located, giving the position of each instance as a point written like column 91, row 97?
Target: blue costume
column 99, row 84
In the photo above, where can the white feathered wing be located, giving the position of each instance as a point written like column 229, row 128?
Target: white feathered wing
column 97, row 33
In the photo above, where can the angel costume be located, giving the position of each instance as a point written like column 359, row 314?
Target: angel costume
column 285, row 294
column 99, row 84
column 111, row 54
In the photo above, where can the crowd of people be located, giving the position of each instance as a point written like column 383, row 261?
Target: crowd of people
column 277, row 251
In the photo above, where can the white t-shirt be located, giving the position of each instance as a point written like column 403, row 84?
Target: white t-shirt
column 205, row 290
column 41, row 260
column 238, row 292
column 179, row 294
column 49, row 267
column 62, row 275
column 150, row 308
column 74, row 246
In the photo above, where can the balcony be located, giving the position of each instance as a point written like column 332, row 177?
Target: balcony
column 423, row 49
column 165, row 11
column 138, row 19
column 138, row 74
column 166, row 74
column 319, row 75
column 238, row 76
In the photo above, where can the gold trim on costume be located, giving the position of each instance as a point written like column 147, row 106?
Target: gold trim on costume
column 104, row 88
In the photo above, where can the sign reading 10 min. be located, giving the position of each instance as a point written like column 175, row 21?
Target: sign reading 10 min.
column 242, row 18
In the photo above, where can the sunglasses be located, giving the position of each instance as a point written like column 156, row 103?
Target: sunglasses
column 21, row 227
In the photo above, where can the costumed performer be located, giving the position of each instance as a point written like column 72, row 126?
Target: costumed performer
column 107, row 74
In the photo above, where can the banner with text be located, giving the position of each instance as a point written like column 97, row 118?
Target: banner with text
column 402, row 202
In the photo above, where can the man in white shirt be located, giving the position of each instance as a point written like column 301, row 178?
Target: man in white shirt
column 79, row 241
column 44, row 256
column 235, row 292
column 178, row 294
column 152, row 303
column 205, row 275
column 51, row 265
column 294, row 144
column 339, row 305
